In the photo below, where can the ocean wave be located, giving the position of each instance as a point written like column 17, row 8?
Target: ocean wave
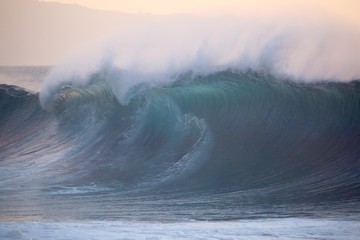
column 225, row 132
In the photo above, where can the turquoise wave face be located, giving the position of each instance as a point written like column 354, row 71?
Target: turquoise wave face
column 242, row 136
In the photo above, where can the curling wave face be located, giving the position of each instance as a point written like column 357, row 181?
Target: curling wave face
column 237, row 137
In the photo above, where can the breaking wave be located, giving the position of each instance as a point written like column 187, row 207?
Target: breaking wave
column 220, row 133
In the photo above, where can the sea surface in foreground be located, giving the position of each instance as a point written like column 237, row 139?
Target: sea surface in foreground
column 283, row 228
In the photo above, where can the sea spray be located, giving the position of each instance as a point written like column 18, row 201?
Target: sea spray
column 300, row 51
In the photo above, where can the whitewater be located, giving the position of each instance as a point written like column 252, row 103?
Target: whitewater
column 248, row 132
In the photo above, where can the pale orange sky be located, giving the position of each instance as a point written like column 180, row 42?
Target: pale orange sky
column 36, row 32
column 348, row 9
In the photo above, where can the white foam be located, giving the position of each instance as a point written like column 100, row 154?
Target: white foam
column 288, row 228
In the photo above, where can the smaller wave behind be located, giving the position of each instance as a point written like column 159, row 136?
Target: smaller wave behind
column 18, row 108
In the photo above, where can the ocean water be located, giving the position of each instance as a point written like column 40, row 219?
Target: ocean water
column 222, row 155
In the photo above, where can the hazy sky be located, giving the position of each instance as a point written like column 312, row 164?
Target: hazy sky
column 45, row 32
column 345, row 8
